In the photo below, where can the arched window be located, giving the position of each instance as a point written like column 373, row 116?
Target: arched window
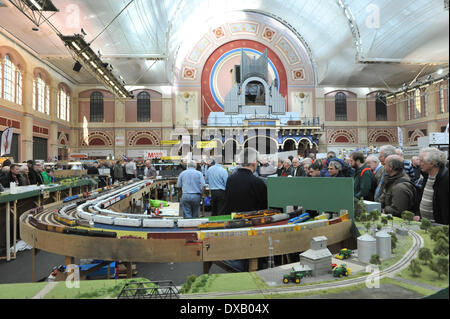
column 340, row 101
column 441, row 99
column 143, row 107
column 41, row 95
column 381, row 107
column 64, row 104
column 417, row 103
column 9, row 79
column 96, row 109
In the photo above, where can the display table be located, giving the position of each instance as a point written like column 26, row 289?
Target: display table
column 28, row 197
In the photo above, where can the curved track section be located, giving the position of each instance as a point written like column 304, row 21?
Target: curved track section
column 388, row 272
column 69, row 231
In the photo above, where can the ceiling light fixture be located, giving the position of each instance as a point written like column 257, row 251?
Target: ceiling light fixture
column 82, row 52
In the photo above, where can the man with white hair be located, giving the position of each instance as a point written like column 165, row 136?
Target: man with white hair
column 297, row 169
column 374, row 163
column 434, row 200
column 385, row 151
column 287, row 168
column 193, row 185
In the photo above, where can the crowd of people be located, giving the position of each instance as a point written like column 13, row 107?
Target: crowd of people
column 419, row 185
column 33, row 173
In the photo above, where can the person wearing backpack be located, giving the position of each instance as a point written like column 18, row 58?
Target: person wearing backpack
column 399, row 191
column 364, row 180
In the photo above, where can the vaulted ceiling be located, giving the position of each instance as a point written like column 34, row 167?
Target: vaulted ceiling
column 379, row 43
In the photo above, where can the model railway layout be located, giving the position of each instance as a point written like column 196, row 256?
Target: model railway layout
column 97, row 217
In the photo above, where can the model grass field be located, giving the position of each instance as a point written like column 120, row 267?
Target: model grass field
column 88, row 289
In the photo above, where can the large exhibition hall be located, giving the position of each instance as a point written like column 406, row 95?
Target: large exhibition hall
column 239, row 149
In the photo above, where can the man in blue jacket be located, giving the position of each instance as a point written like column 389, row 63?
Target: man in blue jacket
column 216, row 177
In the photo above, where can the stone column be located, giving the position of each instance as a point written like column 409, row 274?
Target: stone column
column 53, row 140
column 27, row 123
column 27, row 137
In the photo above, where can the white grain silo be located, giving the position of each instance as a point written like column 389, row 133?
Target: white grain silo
column 367, row 246
column 384, row 249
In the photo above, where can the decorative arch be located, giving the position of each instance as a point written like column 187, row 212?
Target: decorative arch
column 142, row 138
column 14, row 56
column 289, row 139
column 216, row 69
column 274, row 141
column 342, row 136
column 98, row 138
column 65, row 87
column 43, row 73
column 378, row 136
column 415, row 136
column 307, row 140
column 63, row 139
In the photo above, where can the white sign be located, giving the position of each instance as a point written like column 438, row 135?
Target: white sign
column 120, row 140
column 186, row 139
column 100, row 152
column 438, row 138
column 155, row 154
column 146, row 153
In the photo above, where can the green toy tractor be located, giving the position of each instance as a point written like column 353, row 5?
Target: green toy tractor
column 293, row 276
column 341, row 271
column 344, row 254
column 157, row 203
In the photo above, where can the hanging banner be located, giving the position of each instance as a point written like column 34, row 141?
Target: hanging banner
column 206, row 144
column 400, row 136
column 170, row 142
column 6, row 141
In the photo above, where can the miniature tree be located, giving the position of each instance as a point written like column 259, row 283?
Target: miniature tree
column 407, row 216
column 374, row 215
column 379, row 227
column 425, row 255
column 425, row 225
column 437, row 233
column 368, row 225
column 375, row 260
column 440, row 267
column 384, row 220
column 415, row 268
column 445, row 230
column 391, row 218
column 441, row 247
column 394, row 240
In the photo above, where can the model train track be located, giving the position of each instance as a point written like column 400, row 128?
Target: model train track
column 388, row 272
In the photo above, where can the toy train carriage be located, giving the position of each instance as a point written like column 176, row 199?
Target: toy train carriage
column 65, row 220
column 299, row 219
column 255, row 214
column 212, row 225
column 238, row 223
column 261, row 220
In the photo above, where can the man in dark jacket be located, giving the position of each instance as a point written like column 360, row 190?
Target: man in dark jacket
column 287, row 168
column 364, row 180
column 399, row 192
column 245, row 192
column 434, row 197
column 297, row 169
column 12, row 176
column 34, row 174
